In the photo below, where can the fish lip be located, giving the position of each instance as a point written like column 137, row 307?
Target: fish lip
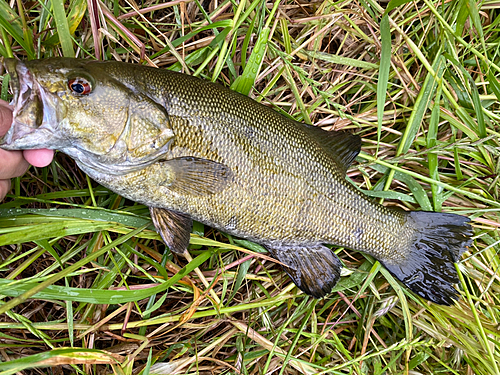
column 26, row 132
column 20, row 85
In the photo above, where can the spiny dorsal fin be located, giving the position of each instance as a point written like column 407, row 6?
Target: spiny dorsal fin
column 343, row 147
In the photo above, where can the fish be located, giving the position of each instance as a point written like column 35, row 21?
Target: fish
column 190, row 149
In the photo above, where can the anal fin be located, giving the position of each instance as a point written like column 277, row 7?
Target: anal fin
column 173, row 227
column 314, row 269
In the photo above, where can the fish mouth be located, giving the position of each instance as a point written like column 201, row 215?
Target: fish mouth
column 31, row 124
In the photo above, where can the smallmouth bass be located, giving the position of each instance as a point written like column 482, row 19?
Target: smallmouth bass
column 193, row 150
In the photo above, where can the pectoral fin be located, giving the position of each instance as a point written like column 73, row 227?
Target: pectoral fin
column 314, row 269
column 195, row 176
column 173, row 227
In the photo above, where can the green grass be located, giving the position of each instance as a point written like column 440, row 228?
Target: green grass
column 85, row 282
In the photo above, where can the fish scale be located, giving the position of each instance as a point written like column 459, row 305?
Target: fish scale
column 194, row 150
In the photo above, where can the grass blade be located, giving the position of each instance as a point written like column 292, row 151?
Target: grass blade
column 422, row 104
column 96, row 296
column 383, row 75
column 432, row 158
column 63, row 28
column 12, row 25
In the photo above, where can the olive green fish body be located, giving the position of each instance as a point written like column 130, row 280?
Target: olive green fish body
column 191, row 149
column 285, row 187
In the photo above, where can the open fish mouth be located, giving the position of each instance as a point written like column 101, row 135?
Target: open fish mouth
column 32, row 115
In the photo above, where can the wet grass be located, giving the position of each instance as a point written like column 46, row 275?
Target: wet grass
column 86, row 285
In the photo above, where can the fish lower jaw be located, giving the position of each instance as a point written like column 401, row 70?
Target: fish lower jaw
column 24, row 137
column 34, row 117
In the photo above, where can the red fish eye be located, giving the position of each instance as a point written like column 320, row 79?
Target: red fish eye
column 80, row 86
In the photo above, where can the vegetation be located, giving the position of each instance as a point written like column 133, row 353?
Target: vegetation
column 86, row 284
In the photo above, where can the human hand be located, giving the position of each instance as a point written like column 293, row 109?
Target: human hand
column 15, row 163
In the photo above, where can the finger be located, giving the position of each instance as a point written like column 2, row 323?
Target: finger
column 13, row 164
column 5, row 117
column 39, row 158
column 4, row 188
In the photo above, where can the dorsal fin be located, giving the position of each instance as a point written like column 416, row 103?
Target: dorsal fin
column 343, row 147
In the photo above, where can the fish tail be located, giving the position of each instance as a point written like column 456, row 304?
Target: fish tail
column 427, row 268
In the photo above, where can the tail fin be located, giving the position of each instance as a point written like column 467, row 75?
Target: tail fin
column 439, row 241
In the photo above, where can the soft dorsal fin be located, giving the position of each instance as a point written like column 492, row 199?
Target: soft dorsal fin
column 343, row 147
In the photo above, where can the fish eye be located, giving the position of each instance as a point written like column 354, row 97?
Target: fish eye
column 79, row 86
